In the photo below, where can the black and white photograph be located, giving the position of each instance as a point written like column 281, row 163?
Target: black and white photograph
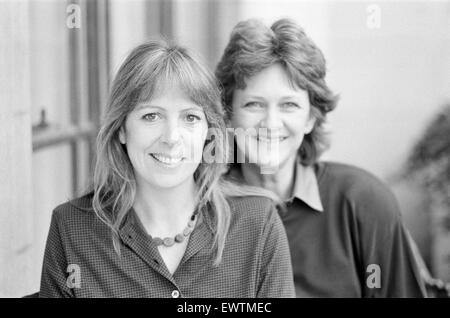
column 234, row 149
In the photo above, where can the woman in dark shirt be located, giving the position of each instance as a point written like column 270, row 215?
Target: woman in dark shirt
column 343, row 224
column 161, row 221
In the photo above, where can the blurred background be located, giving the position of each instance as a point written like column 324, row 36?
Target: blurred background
column 389, row 61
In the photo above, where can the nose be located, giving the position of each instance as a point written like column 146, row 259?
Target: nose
column 171, row 135
column 272, row 119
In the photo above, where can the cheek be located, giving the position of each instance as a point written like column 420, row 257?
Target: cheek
column 140, row 138
column 195, row 141
column 245, row 119
column 296, row 124
column 204, row 133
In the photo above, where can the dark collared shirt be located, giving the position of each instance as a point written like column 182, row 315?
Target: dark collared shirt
column 346, row 235
column 80, row 260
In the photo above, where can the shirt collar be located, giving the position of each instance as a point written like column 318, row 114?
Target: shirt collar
column 306, row 187
column 134, row 235
column 131, row 220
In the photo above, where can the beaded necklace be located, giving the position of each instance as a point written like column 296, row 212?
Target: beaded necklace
column 169, row 241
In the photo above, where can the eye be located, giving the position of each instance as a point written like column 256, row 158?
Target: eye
column 253, row 105
column 191, row 118
column 151, row 117
column 290, row 105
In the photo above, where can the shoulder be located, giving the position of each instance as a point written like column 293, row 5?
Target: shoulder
column 347, row 175
column 251, row 205
column 76, row 212
column 352, row 181
column 256, row 227
column 257, row 211
column 366, row 193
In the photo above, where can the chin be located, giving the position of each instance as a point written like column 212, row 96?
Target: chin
column 268, row 169
column 167, row 181
column 272, row 164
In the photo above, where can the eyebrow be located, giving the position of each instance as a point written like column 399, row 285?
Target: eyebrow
column 254, row 97
column 143, row 106
column 291, row 97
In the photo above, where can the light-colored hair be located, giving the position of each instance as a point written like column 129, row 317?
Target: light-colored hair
column 149, row 68
column 253, row 46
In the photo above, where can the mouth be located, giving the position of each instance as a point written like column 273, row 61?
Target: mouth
column 271, row 139
column 167, row 160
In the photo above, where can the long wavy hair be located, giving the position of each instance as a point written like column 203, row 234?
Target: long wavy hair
column 253, row 46
column 148, row 68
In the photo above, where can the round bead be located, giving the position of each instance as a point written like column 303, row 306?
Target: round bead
column 179, row 238
column 157, row 241
column 168, row 241
column 187, row 231
column 191, row 223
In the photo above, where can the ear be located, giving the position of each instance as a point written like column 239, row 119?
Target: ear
column 310, row 123
column 122, row 135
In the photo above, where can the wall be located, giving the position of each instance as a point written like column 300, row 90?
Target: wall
column 127, row 28
column 392, row 79
column 16, row 213
column 49, row 87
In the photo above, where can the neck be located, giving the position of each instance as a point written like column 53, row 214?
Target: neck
column 280, row 182
column 165, row 209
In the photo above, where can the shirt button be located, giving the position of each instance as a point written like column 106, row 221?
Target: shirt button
column 175, row 294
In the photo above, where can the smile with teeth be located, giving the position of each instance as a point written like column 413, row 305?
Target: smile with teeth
column 166, row 159
column 270, row 139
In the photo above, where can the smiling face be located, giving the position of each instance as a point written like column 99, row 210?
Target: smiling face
column 275, row 117
column 164, row 138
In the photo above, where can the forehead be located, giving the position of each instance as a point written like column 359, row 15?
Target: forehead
column 170, row 97
column 273, row 80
